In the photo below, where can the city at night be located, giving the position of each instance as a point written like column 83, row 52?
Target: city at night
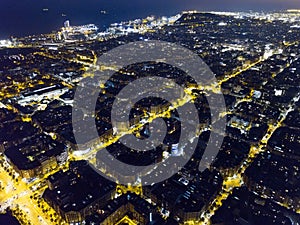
column 150, row 112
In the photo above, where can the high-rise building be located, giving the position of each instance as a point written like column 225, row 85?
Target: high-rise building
column 67, row 24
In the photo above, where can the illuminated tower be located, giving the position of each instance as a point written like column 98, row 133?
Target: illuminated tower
column 67, row 24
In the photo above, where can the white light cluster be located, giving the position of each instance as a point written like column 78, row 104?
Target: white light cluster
column 5, row 43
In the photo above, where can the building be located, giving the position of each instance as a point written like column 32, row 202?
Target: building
column 78, row 192
column 67, row 24
column 36, row 156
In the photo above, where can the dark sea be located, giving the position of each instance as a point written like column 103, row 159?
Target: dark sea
column 26, row 17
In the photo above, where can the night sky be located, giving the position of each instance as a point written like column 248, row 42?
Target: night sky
column 23, row 17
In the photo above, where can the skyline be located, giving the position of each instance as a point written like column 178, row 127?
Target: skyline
column 19, row 18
